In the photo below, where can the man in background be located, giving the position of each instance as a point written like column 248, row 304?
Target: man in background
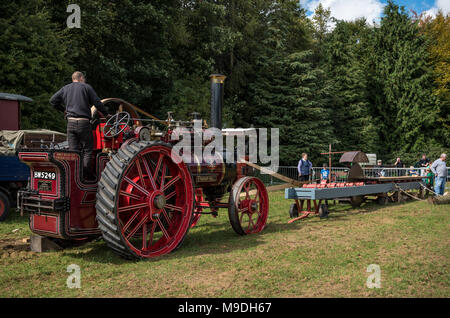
column 78, row 97
column 423, row 163
column 304, row 168
column 399, row 164
column 379, row 169
column 439, row 168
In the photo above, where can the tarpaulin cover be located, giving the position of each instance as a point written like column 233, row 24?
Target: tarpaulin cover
column 10, row 140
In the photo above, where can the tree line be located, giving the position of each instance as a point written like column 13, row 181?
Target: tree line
column 381, row 88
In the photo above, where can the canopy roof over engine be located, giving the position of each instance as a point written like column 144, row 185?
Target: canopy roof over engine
column 354, row 157
column 237, row 131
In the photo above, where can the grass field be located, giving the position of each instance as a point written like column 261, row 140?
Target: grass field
column 310, row 258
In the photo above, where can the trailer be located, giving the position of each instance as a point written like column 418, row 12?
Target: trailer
column 357, row 189
column 315, row 196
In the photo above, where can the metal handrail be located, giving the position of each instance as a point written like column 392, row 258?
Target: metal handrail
column 340, row 173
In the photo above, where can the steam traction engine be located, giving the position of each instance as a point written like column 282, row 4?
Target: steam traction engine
column 145, row 197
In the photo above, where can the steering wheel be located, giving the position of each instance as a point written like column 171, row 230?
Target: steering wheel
column 116, row 124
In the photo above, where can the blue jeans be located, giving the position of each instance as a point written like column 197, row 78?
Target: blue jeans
column 439, row 185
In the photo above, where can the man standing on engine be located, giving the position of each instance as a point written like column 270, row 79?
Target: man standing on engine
column 78, row 98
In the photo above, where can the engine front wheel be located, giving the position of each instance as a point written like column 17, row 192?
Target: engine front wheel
column 145, row 200
column 248, row 206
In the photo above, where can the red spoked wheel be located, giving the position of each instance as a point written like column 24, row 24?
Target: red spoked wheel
column 248, row 206
column 145, row 200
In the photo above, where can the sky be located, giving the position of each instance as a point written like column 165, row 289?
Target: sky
column 372, row 9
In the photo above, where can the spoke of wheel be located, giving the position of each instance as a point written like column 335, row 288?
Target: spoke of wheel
column 141, row 222
column 168, row 184
column 174, row 207
column 169, row 221
column 170, row 195
column 137, row 186
column 139, row 169
column 250, row 221
column 149, row 173
column 107, row 134
column 152, row 232
column 131, row 195
column 257, row 194
column 132, row 207
column 247, row 194
column 257, row 211
column 163, row 177
column 127, row 225
column 144, row 236
column 163, row 229
column 240, row 219
column 158, row 165
column 244, row 209
column 122, row 119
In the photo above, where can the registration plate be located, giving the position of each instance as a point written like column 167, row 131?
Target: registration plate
column 45, row 175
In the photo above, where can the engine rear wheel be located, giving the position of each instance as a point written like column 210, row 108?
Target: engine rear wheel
column 145, row 200
column 248, row 206
column 4, row 206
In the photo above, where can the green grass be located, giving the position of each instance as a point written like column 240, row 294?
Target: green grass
column 309, row 258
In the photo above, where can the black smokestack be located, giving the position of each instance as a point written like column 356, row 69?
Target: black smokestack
column 217, row 84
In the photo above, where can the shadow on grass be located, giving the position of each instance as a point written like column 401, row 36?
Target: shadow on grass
column 346, row 212
column 15, row 219
column 215, row 238
column 207, row 239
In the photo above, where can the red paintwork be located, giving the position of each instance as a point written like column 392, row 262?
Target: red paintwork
column 44, row 223
column 33, row 156
column 305, row 213
column 323, row 185
column 80, row 220
column 199, row 205
column 100, row 142
column 9, row 109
